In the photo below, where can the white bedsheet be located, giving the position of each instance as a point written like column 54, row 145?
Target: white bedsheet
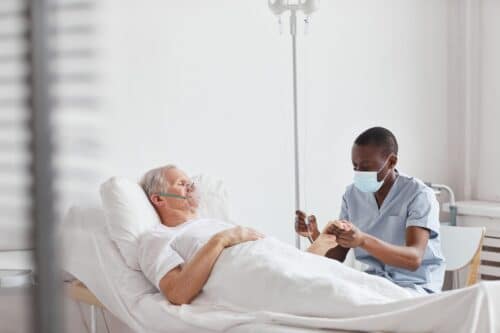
column 92, row 258
column 89, row 255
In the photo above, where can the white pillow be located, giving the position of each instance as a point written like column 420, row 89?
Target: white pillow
column 128, row 215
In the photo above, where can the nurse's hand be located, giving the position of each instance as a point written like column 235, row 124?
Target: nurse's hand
column 351, row 236
column 309, row 229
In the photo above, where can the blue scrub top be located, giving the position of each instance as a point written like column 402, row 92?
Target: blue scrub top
column 409, row 203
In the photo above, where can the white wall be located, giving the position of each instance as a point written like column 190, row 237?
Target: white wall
column 372, row 63
column 207, row 85
column 204, row 85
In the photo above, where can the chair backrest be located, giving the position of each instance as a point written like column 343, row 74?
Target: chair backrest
column 461, row 247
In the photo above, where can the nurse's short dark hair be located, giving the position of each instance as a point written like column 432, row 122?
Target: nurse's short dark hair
column 379, row 137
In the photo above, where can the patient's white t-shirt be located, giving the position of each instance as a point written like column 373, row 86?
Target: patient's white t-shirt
column 164, row 248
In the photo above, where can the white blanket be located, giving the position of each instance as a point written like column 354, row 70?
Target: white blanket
column 473, row 309
column 269, row 281
column 90, row 256
column 273, row 276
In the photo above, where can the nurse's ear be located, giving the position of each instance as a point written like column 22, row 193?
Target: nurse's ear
column 393, row 160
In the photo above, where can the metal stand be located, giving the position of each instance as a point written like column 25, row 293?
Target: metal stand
column 93, row 321
column 293, row 32
column 278, row 7
column 452, row 204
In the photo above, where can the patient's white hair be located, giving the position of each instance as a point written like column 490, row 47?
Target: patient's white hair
column 154, row 180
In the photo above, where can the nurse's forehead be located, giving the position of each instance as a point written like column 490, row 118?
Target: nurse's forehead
column 367, row 152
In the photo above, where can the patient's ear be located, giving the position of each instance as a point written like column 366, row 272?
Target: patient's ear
column 157, row 200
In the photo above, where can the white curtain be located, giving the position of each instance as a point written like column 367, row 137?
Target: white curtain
column 488, row 163
column 75, row 121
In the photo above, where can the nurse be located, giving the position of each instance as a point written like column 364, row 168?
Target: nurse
column 391, row 220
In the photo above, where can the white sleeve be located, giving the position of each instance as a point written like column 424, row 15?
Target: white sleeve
column 157, row 258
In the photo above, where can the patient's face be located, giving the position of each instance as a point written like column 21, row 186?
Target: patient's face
column 180, row 184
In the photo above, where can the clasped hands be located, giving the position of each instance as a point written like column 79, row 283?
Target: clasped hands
column 340, row 232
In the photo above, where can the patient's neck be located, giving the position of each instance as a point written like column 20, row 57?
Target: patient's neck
column 175, row 217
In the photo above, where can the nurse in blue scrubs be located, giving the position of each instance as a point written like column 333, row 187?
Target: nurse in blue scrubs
column 391, row 220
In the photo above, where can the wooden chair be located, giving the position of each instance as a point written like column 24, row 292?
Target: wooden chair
column 461, row 248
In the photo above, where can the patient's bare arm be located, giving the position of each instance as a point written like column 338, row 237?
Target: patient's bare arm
column 324, row 243
column 182, row 284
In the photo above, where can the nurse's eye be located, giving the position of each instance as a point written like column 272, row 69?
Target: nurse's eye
column 363, row 166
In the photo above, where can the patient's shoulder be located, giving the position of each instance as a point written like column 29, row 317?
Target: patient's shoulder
column 154, row 241
column 158, row 232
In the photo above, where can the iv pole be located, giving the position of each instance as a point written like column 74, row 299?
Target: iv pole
column 278, row 7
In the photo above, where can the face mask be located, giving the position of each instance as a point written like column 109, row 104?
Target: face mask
column 366, row 181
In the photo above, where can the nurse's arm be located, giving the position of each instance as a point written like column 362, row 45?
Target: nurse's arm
column 338, row 253
column 408, row 257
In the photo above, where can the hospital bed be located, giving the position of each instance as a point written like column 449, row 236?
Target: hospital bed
column 103, row 280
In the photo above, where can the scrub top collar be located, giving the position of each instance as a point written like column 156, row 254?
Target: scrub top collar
column 392, row 192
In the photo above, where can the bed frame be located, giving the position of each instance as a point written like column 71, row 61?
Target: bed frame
column 78, row 292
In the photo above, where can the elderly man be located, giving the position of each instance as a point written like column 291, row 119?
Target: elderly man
column 187, row 246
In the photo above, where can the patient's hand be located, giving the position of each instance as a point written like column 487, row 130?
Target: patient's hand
column 309, row 229
column 323, row 244
column 237, row 235
column 337, row 227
